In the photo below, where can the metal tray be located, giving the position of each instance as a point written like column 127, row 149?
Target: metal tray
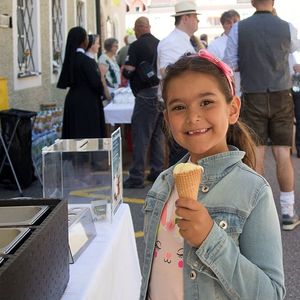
column 10, row 237
column 21, row 215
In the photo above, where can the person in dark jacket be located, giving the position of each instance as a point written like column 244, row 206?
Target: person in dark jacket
column 83, row 110
column 147, row 117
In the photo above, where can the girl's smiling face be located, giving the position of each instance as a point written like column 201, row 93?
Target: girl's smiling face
column 198, row 115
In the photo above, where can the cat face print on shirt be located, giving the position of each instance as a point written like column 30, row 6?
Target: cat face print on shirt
column 168, row 257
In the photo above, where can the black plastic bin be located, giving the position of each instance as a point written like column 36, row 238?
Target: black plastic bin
column 16, row 127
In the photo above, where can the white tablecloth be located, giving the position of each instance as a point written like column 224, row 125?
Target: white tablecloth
column 109, row 268
column 118, row 113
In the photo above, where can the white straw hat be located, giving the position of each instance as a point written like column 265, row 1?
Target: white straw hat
column 185, row 8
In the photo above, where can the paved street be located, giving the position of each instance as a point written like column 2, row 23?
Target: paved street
column 291, row 240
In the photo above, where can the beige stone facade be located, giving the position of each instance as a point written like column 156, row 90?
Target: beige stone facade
column 30, row 92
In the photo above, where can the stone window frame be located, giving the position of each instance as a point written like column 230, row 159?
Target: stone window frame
column 80, row 14
column 26, row 44
column 58, row 23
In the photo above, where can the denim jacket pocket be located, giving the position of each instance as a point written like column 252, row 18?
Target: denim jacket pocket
column 231, row 220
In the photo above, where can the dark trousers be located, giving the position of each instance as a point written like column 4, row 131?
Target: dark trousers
column 296, row 98
column 176, row 152
column 146, row 126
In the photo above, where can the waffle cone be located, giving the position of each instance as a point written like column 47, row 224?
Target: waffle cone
column 187, row 180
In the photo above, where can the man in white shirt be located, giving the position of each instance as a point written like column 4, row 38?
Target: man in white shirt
column 217, row 46
column 172, row 47
column 177, row 43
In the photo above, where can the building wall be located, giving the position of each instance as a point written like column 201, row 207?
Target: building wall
column 162, row 23
column 45, row 90
column 115, row 12
column 159, row 13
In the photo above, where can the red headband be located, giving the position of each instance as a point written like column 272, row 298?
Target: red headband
column 224, row 68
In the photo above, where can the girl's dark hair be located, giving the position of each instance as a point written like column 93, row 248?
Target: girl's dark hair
column 238, row 134
column 108, row 43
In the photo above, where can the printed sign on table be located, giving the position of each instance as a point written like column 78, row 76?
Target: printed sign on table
column 117, row 177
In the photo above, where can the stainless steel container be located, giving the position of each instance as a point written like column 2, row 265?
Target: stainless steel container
column 11, row 237
column 21, row 215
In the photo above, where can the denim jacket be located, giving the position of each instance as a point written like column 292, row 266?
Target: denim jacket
column 241, row 258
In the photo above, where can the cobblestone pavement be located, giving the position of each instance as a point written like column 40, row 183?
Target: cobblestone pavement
column 290, row 240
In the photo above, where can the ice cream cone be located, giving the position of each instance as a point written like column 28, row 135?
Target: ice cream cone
column 188, row 177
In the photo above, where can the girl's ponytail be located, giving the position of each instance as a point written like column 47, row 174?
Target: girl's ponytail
column 239, row 135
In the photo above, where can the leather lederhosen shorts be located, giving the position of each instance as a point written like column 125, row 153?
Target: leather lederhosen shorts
column 271, row 117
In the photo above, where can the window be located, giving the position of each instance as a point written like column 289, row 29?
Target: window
column 213, row 21
column 27, row 47
column 80, row 13
column 57, row 35
column 109, row 27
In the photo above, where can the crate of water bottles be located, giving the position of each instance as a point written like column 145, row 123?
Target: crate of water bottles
column 296, row 82
column 48, row 118
column 39, row 141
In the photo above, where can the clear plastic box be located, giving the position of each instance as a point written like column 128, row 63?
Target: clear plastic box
column 85, row 171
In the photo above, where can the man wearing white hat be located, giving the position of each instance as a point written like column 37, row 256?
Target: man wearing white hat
column 172, row 47
column 178, row 41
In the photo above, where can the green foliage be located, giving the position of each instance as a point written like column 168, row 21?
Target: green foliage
column 129, row 31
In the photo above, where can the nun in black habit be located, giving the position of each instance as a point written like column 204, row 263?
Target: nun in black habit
column 83, row 110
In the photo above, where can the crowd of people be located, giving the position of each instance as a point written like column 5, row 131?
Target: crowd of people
column 216, row 104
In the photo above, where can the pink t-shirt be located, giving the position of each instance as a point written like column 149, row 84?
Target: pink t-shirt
column 166, row 281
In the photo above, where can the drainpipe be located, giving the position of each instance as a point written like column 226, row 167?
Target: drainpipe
column 98, row 22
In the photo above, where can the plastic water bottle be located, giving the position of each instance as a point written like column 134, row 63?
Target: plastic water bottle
column 296, row 82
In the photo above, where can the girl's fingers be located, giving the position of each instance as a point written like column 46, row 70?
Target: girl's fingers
column 188, row 203
column 183, row 224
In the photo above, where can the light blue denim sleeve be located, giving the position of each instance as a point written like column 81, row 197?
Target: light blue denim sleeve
column 254, row 269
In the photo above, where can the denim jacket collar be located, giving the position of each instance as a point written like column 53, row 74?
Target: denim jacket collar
column 215, row 166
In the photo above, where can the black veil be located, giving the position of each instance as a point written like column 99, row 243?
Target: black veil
column 76, row 36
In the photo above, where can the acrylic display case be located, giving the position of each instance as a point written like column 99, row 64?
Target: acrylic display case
column 85, row 171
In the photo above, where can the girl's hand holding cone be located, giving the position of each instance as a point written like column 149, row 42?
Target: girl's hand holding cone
column 194, row 221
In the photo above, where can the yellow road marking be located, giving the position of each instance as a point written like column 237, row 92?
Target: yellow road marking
column 87, row 193
column 133, row 200
column 139, row 234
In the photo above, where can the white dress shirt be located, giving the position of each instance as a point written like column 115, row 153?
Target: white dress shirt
column 172, row 47
column 217, row 47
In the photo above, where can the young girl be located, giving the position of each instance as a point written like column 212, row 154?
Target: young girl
column 226, row 245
